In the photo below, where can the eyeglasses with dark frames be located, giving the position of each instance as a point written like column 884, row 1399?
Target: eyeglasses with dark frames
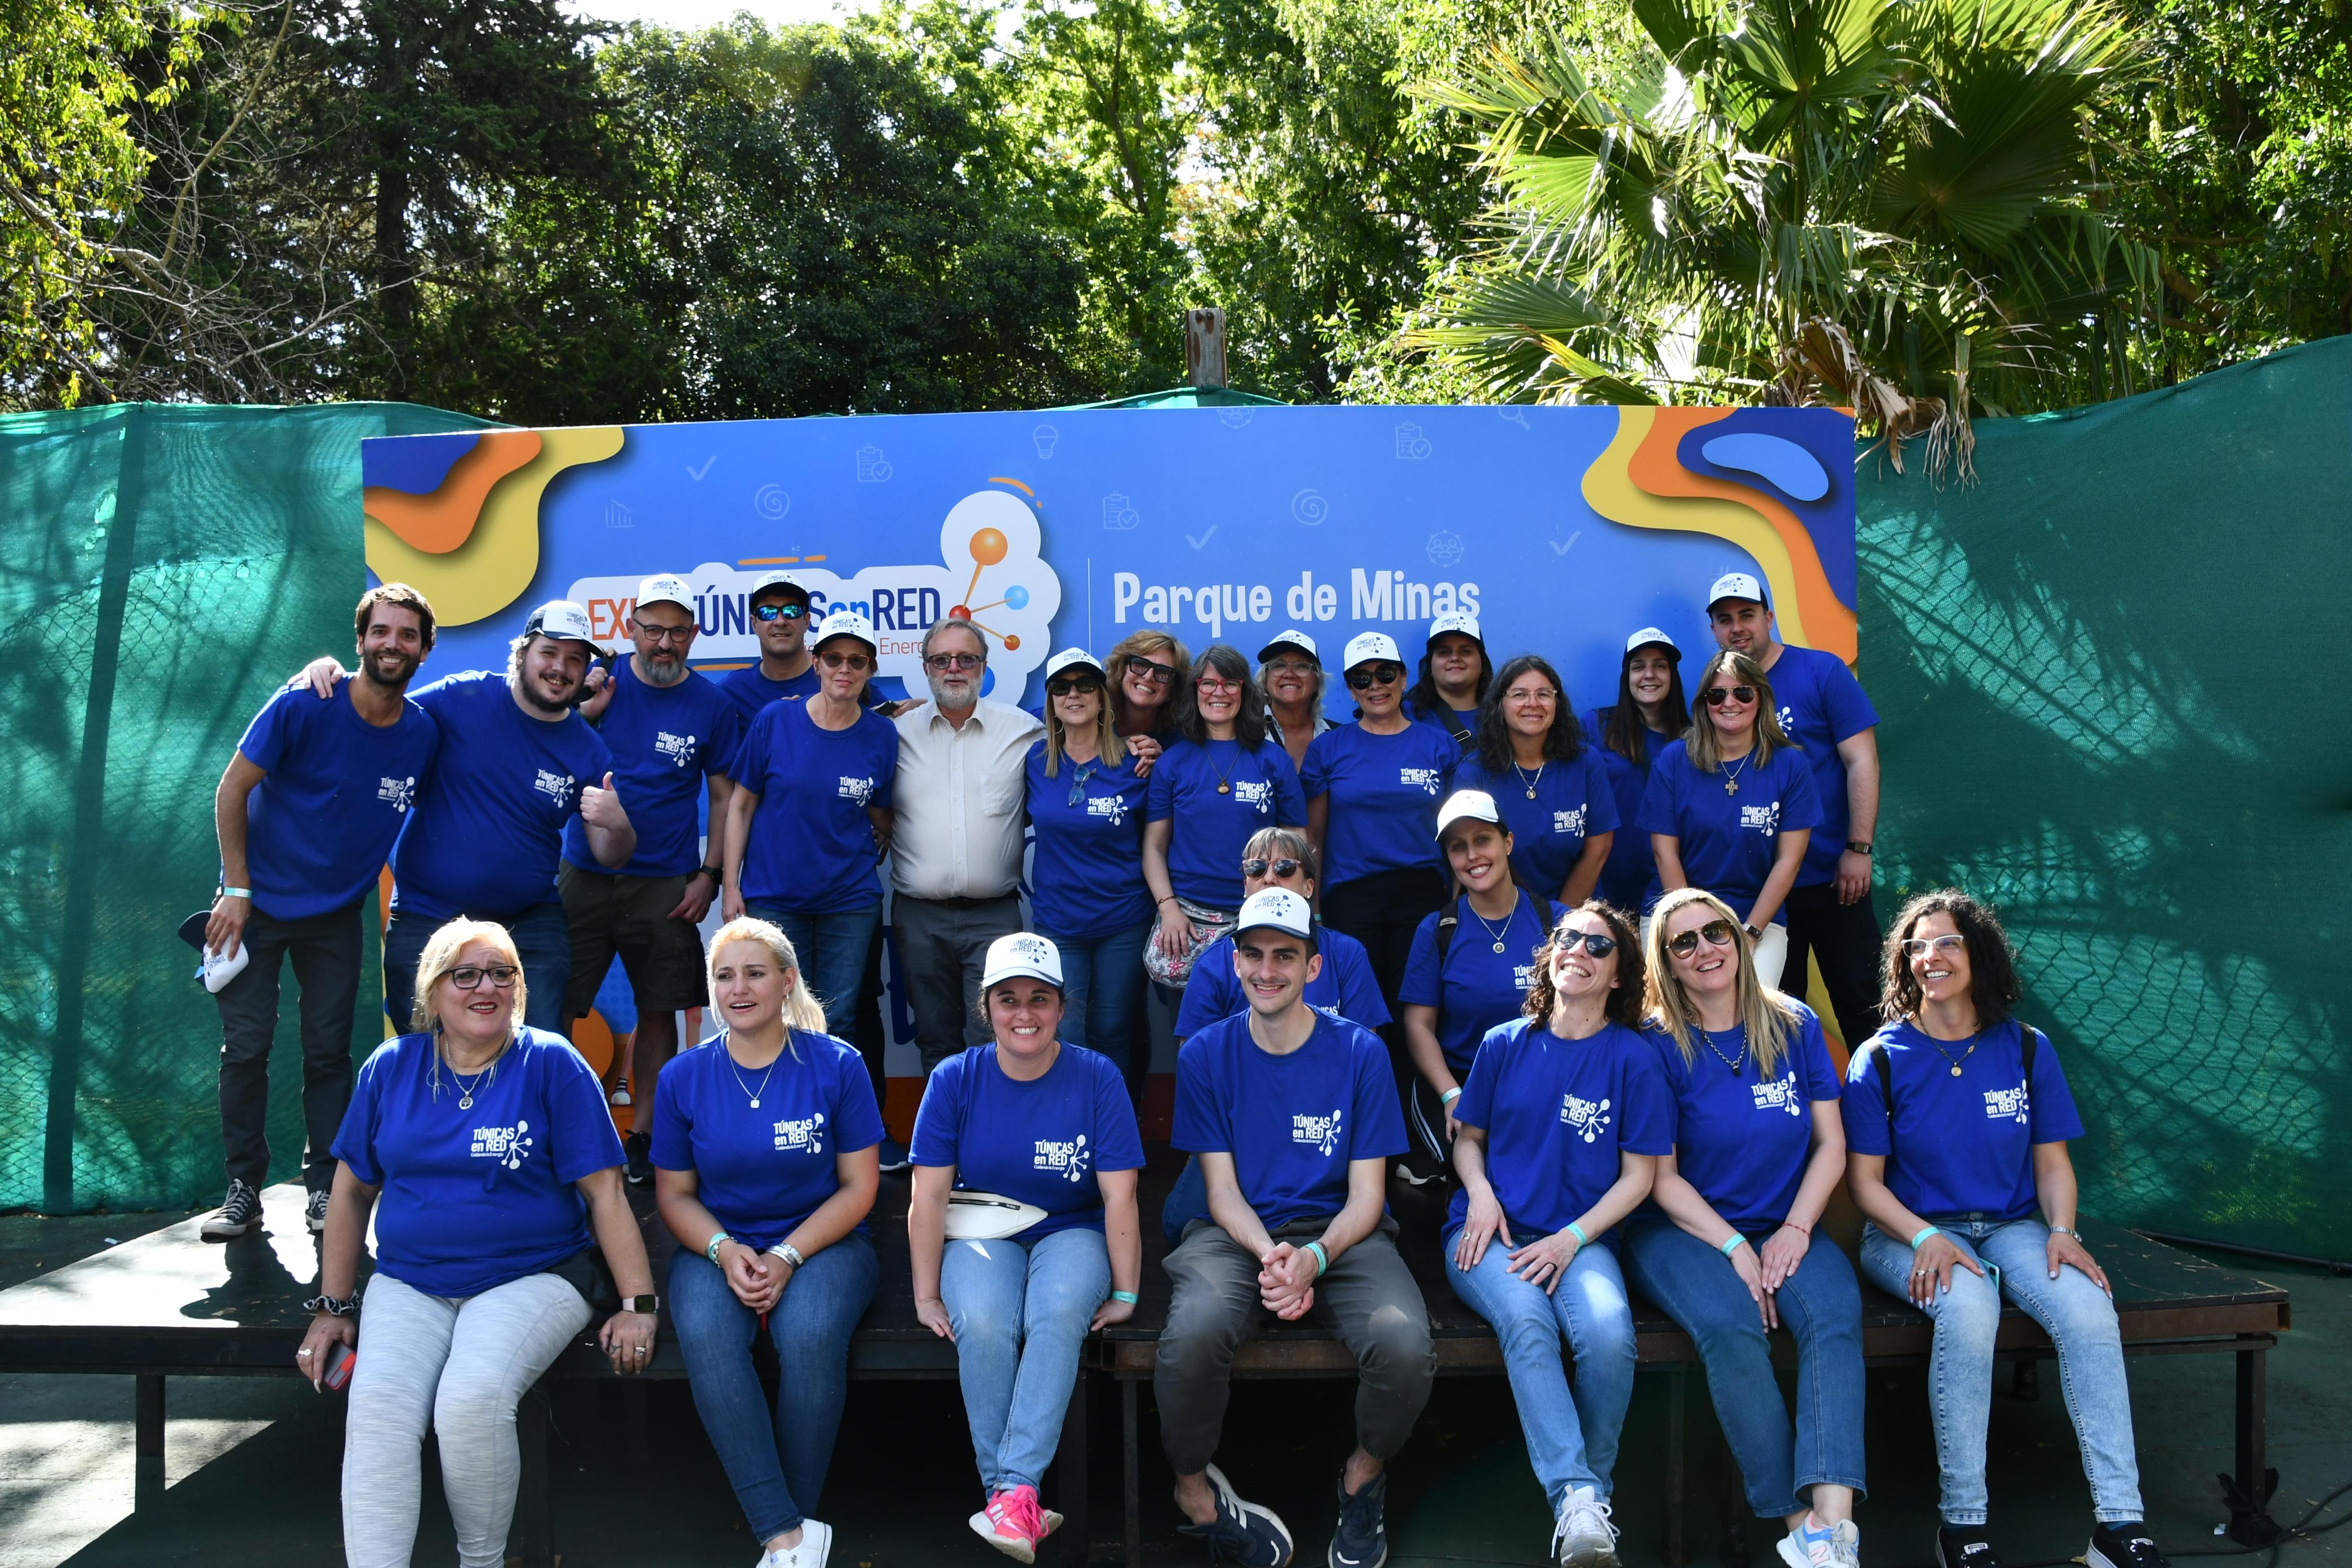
column 469, row 976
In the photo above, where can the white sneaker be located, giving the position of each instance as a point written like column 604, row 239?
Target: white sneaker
column 1840, row 1546
column 1583, row 1537
column 816, row 1546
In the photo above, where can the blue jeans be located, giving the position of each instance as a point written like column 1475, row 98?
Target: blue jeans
column 775, row 1459
column 1821, row 1306
column 1100, row 978
column 1571, row 1441
column 2081, row 1322
column 1020, row 1312
column 832, row 949
column 542, row 940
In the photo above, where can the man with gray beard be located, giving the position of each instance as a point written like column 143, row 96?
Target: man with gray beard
column 673, row 735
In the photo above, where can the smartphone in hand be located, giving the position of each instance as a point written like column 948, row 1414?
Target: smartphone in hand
column 341, row 1362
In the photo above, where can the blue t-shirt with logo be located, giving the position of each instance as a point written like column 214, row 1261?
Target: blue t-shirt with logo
column 1573, row 801
column 1625, row 875
column 1038, row 1143
column 1292, row 1122
column 811, row 847
column 666, row 741
column 1557, row 1114
column 1086, row 879
column 338, row 789
column 1727, row 841
column 1343, row 987
column 1822, row 703
column 1740, row 1138
column 1958, row 1146
column 762, row 1169
column 484, row 840
column 476, row 1197
column 1204, row 852
column 1479, row 987
column 1384, row 793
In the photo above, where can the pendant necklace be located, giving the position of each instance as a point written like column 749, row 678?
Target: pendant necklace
column 1222, row 786
column 1731, row 774
column 1734, row 1063
column 1498, row 935
column 465, row 1090
column 1530, row 782
column 1948, row 1056
column 750, row 1093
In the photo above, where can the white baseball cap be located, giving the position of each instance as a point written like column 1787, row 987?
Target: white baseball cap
column 1021, row 953
column 1074, row 657
column 666, row 588
column 1279, row 907
column 1290, row 637
column 1648, row 635
column 1456, row 623
column 1365, row 647
column 1737, row 586
column 1476, row 805
column 845, row 623
column 778, row 580
column 564, row 620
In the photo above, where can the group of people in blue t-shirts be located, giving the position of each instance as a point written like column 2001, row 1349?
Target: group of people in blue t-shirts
column 1404, row 948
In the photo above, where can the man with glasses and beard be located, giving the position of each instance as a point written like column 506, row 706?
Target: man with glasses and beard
column 673, row 735
column 307, row 810
column 516, row 764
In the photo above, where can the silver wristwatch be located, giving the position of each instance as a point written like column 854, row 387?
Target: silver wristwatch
column 2066, row 1230
column 789, row 1253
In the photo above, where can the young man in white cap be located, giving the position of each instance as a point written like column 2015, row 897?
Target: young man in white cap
column 1454, row 671
column 672, row 734
column 1290, row 681
column 1293, row 1115
column 517, row 762
column 1825, row 713
column 307, row 810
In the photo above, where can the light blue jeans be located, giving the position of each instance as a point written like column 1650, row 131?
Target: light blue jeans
column 1100, row 978
column 1572, row 1440
column 1020, row 1311
column 2081, row 1322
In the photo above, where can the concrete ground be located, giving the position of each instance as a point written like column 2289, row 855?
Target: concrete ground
column 252, row 1466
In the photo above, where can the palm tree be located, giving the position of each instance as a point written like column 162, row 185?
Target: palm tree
column 1860, row 202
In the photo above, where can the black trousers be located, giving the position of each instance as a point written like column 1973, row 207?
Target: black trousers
column 326, row 953
column 1382, row 911
column 1846, row 938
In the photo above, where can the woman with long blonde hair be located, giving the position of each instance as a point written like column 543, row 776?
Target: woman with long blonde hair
column 1727, row 1249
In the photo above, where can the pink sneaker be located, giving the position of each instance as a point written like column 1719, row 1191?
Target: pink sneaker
column 1014, row 1524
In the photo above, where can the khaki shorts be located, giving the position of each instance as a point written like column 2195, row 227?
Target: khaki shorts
column 629, row 916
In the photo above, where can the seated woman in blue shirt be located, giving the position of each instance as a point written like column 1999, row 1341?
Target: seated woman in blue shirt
column 1023, row 1232
column 1546, row 774
column 1957, row 1118
column 1731, row 807
column 486, row 1153
column 765, row 1164
column 1471, row 965
column 1562, row 1121
column 1727, row 1250
column 1086, row 879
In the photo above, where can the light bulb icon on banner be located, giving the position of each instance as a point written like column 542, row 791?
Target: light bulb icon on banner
column 1045, row 435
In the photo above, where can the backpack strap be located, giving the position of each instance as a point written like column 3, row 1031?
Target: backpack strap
column 1455, row 727
column 1886, row 1086
column 2031, row 1037
column 1448, row 917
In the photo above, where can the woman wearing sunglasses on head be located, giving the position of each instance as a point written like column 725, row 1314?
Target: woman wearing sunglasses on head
column 1343, row 987
column 1146, row 672
column 1547, row 778
column 1562, row 1121
column 1627, row 736
column 810, row 820
column 1731, row 806
column 1957, row 1118
column 1086, row 803
column 1727, row 1249
column 1220, row 782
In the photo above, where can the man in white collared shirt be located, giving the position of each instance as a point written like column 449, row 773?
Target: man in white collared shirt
column 955, row 849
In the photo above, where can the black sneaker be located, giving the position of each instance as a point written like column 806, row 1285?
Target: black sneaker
column 1964, row 1546
column 1361, row 1538
column 640, row 1147
column 314, row 1213
column 240, row 1213
column 1242, row 1533
column 2127, row 1545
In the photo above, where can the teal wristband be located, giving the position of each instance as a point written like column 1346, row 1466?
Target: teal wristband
column 1577, row 1231
column 1322, row 1258
column 1734, row 1245
column 1924, row 1232
column 1125, row 1296
column 711, row 1251
column 1449, row 1096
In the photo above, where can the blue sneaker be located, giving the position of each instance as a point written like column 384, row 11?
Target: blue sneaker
column 1242, row 1533
column 1838, row 1546
column 1362, row 1539
column 894, row 1155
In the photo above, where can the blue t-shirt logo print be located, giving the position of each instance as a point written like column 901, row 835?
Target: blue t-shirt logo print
column 556, row 787
column 1780, row 1094
column 804, row 1135
column 2015, row 1104
column 1589, row 1119
column 507, row 1145
column 1322, row 1132
column 678, row 749
column 1069, row 1160
column 397, row 792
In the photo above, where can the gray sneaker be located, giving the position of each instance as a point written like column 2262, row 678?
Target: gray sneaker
column 1583, row 1537
column 239, row 1212
column 314, row 1213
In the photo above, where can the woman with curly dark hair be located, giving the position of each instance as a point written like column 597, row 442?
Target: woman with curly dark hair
column 1957, row 1118
column 1537, row 762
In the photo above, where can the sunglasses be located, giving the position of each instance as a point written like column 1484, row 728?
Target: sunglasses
column 1157, row 674
column 1598, row 943
column 1064, row 687
column 1920, row 946
column 855, row 663
column 957, row 660
column 468, row 976
column 1717, row 931
column 1716, row 694
column 778, row 611
column 1279, row 868
column 1365, row 676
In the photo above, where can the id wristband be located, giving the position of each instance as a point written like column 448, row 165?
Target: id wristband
column 1449, row 1096
column 1924, row 1232
column 244, row 893
column 1577, row 1231
column 1734, row 1244
column 711, row 1251
column 1125, row 1296
column 1322, row 1258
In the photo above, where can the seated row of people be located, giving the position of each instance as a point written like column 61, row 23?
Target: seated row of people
column 1656, row 1115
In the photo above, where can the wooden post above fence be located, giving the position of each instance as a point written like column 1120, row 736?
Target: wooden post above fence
column 1204, row 347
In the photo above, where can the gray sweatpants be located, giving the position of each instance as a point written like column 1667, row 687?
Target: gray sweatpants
column 1367, row 1301
column 460, row 1366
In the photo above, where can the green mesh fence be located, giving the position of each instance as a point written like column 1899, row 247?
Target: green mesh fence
column 160, row 569
column 2091, row 665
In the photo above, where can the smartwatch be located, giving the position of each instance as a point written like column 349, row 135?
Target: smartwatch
column 714, row 874
column 641, row 1303
column 1857, row 845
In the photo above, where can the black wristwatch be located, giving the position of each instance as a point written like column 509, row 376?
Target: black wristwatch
column 641, row 1303
column 714, row 873
column 345, row 1307
column 1857, row 845
column 1755, row 933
